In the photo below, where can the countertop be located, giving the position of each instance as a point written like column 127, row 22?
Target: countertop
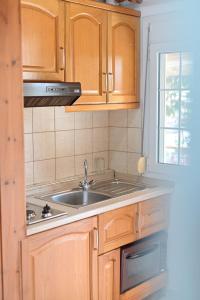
column 154, row 188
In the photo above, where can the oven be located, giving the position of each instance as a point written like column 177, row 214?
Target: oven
column 143, row 260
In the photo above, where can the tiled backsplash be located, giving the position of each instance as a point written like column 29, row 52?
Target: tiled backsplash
column 125, row 140
column 56, row 143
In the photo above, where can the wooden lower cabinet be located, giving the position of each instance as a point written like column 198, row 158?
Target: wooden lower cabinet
column 61, row 264
column 109, row 276
column 153, row 215
column 117, row 228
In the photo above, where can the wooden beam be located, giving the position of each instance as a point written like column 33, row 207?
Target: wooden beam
column 12, row 200
column 100, row 107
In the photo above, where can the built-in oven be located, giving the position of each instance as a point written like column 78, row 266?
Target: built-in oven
column 143, row 260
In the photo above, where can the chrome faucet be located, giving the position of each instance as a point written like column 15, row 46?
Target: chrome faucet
column 85, row 184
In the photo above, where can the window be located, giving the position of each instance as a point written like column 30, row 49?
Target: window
column 174, row 100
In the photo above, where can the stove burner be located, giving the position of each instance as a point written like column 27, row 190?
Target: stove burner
column 30, row 214
column 36, row 213
column 46, row 212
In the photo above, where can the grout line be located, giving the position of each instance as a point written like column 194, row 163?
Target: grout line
column 74, row 146
column 33, row 150
column 90, row 153
column 55, row 141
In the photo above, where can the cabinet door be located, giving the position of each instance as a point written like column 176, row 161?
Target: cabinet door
column 61, row 263
column 123, row 58
column 86, row 33
column 43, row 40
column 109, row 276
column 153, row 215
column 117, row 228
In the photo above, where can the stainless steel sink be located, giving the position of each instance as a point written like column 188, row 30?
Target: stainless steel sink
column 116, row 187
column 76, row 198
column 98, row 192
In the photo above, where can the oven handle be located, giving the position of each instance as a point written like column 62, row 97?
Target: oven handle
column 142, row 253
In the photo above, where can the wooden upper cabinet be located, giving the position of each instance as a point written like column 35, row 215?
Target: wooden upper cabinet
column 86, row 38
column 117, row 228
column 109, row 275
column 43, row 40
column 61, row 263
column 123, row 58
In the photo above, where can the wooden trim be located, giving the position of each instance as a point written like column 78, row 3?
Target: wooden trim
column 146, row 289
column 108, row 7
column 98, row 107
column 12, row 198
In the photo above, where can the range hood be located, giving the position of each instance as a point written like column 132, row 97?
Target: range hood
column 41, row 94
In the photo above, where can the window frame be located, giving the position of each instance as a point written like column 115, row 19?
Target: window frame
column 154, row 168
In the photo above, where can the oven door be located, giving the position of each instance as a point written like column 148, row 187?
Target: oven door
column 140, row 261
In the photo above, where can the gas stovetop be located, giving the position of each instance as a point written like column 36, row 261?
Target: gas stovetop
column 36, row 213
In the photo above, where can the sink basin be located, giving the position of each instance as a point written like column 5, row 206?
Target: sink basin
column 98, row 192
column 76, row 198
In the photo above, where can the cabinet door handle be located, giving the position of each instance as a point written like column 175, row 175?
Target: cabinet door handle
column 62, row 58
column 95, row 239
column 105, row 80
column 110, row 82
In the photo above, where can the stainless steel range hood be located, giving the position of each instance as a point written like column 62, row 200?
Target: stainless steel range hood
column 41, row 94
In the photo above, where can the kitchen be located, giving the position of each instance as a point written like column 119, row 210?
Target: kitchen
column 92, row 226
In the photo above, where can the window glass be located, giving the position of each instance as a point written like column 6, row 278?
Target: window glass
column 174, row 108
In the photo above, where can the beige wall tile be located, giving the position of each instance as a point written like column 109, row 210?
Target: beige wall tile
column 132, row 163
column 44, row 171
column 28, row 147
column 83, row 141
column 118, row 161
column 100, row 119
column 100, row 139
column 65, row 167
column 134, row 140
column 44, row 145
column 43, row 119
column 100, row 161
column 118, row 139
column 83, row 120
column 29, row 173
column 134, row 118
column 63, row 120
column 28, row 120
column 65, row 143
column 79, row 161
column 55, row 137
column 118, row 118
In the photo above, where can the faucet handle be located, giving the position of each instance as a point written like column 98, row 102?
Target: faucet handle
column 81, row 184
column 91, row 182
column 86, row 184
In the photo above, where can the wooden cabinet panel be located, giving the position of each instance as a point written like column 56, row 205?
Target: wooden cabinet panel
column 43, row 40
column 86, row 32
column 61, row 263
column 117, row 228
column 153, row 215
column 109, row 275
column 123, row 58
